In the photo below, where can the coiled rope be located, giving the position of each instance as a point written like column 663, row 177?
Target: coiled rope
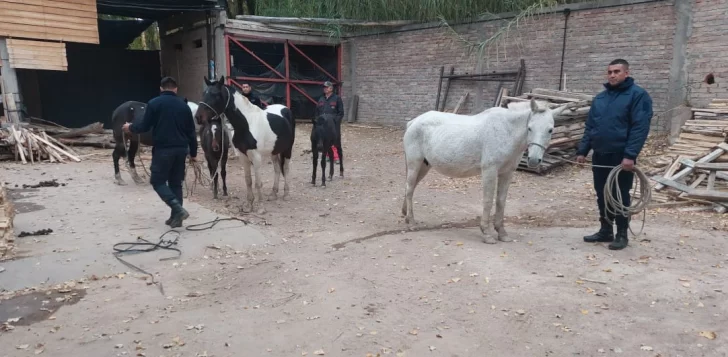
column 613, row 202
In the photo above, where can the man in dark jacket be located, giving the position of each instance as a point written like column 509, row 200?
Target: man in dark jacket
column 331, row 104
column 616, row 129
column 173, row 130
column 248, row 93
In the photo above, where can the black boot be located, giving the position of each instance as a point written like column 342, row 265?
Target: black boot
column 621, row 240
column 169, row 220
column 605, row 234
column 179, row 214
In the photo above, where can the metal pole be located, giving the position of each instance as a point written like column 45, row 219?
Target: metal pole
column 210, row 39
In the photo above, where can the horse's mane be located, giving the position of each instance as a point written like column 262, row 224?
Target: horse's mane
column 526, row 105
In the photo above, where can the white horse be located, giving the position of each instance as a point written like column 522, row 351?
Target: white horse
column 490, row 143
column 258, row 134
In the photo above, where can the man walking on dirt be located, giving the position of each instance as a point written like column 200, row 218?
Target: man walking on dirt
column 331, row 104
column 173, row 130
column 617, row 128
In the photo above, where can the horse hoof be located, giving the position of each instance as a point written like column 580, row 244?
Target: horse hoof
column 273, row 196
column 489, row 239
column 261, row 211
column 409, row 220
column 505, row 238
column 286, row 197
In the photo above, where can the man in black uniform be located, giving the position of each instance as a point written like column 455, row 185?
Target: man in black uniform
column 248, row 93
column 331, row 104
column 616, row 129
column 173, row 129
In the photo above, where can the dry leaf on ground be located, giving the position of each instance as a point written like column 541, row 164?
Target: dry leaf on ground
column 708, row 334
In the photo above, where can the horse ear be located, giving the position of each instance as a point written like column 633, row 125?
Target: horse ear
column 534, row 105
column 221, row 81
column 207, row 81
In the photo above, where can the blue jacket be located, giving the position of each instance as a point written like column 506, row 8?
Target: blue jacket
column 619, row 121
column 171, row 122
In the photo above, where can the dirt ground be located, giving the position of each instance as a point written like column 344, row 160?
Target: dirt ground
column 334, row 271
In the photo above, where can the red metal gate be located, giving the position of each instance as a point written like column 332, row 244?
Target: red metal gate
column 283, row 77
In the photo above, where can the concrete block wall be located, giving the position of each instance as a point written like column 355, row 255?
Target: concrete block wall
column 396, row 74
column 189, row 65
column 706, row 51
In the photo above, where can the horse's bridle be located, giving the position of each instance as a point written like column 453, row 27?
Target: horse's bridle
column 219, row 115
column 533, row 143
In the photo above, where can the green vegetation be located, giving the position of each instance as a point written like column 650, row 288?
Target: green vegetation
column 384, row 10
column 148, row 40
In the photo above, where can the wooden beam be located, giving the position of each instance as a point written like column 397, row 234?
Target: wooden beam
column 722, row 149
column 676, row 185
column 691, row 164
column 722, row 166
column 320, row 21
column 710, row 195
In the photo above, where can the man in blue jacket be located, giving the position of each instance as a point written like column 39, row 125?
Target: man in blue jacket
column 617, row 128
column 173, row 130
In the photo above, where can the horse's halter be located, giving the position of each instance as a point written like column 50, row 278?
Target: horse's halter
column 219, row 115
column 534, row 143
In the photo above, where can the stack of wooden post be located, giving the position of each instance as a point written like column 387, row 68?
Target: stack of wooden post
column 23, row 144
column 7, row 238
column 569, row 127
column 707, row 128
column 699, row 169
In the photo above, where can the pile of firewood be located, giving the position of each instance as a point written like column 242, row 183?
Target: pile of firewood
column 698, row 173
column 7, row 239
column 26, row 145
column 569, row 127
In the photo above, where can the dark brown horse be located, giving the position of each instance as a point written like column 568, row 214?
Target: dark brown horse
column 215, row 140
column 128, row 112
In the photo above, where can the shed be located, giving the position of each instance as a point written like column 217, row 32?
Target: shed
column 64, row 62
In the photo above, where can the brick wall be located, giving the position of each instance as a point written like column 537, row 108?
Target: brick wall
column 706, row 51
column 397, row 73
column 189, row 65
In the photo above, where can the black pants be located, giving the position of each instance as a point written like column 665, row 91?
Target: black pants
column 625, row 180
column 168, row 172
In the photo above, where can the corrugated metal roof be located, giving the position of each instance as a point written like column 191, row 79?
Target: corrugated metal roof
column 156, row 9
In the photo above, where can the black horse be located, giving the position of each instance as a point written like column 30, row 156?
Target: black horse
column 128, row 112
column 325, row 133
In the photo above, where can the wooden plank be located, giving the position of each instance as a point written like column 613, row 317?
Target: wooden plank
column 69, row 23
column 31, row 55
column 67, row 35
column 460, row 102
column 710, row 195
column 6, row 5
column 715, row 111
column 722, row 149
column 557, row 93
column 711, row 180
column 59, row 20
column 711, row 166
column 672, row 183
column 695, row 183
column 691, row 164
column 43, row 18
column 552, row 98
column 88, row 5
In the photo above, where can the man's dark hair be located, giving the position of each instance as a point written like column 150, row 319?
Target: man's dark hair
column 620, row 61
column 168, row 83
